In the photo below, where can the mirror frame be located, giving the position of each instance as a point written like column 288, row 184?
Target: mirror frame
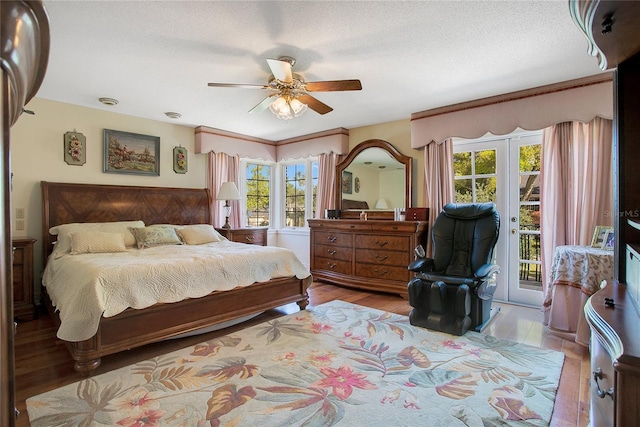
column 407, row 161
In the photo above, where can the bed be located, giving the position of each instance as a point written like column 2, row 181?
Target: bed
column 66, row 203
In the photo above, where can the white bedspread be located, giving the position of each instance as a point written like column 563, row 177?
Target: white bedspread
column 87, row 286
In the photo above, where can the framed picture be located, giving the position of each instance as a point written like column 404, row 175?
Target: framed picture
column 75, row 148
column 180, row 164
column 347, row 178
column 131, row 153
column 609, row 240
column 600, row 236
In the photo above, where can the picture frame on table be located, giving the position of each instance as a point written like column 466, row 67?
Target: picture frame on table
column 131, row 153
column 600, row 234
column 609, row 241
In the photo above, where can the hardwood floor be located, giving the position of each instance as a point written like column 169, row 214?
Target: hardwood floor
column 43, row 362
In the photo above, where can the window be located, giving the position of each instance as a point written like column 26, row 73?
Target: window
column 258, row 194
column 300, row 188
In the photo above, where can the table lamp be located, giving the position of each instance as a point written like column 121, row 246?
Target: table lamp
column 228, row 191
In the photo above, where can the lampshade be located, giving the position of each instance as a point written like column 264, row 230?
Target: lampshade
column 228, row 191
column 381, row 204
column 286, row 107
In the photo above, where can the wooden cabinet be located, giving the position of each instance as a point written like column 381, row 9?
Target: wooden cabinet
column 23, row 304
column 250, row 236
column 615, row 357
column 611, row 27
column 372, row 255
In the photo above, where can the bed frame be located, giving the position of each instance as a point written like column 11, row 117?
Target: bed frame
column 64, row 203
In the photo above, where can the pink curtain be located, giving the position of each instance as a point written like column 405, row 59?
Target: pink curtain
column 576, row 187
column 326, row 193
column 438, row 173
column 223, row 168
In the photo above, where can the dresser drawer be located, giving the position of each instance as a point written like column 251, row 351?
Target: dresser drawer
column 334, row 252
column 382, row 257
column 387, row 272
column 333, row 239
column 252, row 237
column 386, row 242
column 329, row 264
column 601, row 408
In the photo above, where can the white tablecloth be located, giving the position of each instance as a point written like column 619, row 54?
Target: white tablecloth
column 576, row 273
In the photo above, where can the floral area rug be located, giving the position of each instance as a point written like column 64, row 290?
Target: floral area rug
column 333, row 364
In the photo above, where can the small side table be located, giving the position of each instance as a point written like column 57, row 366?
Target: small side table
column 250, row 236
column 23, row 305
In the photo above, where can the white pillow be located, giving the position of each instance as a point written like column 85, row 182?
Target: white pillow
column 83, row 242
column 199, row 234
column 63, row 231
column 155, row 235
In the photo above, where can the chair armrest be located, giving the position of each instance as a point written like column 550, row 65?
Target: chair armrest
column 486, row 270
column 421, row 264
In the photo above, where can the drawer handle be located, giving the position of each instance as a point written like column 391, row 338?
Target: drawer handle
column 597, row 375
column 331, row 265
column 249, row 238
column 331, row 252
column 381, row 244
column 381, row 258
column 332, row 239
column 380, row 273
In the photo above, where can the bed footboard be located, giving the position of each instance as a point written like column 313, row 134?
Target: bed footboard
column 134, row 328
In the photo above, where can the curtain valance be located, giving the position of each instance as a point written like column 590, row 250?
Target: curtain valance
column 219, row 141
column 577, row 100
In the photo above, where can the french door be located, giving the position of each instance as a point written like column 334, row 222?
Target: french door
column 505, row 170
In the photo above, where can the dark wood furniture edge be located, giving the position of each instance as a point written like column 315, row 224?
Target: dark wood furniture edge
column 69, row 202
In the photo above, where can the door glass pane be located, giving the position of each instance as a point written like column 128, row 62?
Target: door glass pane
column 485, row 162
column 462, row 163
column 529, row 177
column 464, row 190
column 485, row 190
column 530, row 158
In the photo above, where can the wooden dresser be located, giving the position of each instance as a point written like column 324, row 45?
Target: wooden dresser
column 250, row 236
column 23, row 304
column 372, row 254
column 611, row 29
column 615, row 357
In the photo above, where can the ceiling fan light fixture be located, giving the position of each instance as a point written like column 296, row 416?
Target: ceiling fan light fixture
column 287, row 107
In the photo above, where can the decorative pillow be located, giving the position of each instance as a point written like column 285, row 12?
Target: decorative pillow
column 199, row 234
column 63, row 231
column 83, row 242
column 155, row 235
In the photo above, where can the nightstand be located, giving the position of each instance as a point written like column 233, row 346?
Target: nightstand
column 251, row 236
column 23, row 305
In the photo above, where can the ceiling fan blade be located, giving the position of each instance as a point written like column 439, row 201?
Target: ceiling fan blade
column 334, row 85
column 314, row 104
column 263, row 105
column 281, row 70
column 238, row 85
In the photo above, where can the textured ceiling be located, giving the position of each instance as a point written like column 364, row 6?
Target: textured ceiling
column 158, row 56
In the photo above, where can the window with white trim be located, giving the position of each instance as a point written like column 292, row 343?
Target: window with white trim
column 257, row 194
column 300, row 185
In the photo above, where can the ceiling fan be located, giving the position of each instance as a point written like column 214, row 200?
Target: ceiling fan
column 290, row 97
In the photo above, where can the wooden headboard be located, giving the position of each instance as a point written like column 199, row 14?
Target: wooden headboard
column 64, row 203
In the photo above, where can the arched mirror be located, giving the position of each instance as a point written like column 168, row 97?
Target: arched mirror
column 374, row 177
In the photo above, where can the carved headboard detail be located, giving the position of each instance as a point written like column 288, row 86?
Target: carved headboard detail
column 64, row 203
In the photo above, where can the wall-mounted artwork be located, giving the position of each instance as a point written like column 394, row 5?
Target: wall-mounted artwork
column 180, row 164
column 75, row 148
column 131, row 153
column 347, row 178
